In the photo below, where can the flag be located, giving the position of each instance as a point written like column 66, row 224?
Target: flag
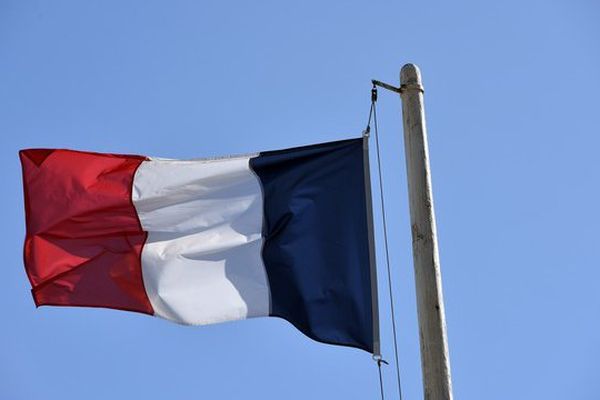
column 280, row 233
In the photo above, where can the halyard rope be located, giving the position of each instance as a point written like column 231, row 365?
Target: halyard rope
column 373, row 116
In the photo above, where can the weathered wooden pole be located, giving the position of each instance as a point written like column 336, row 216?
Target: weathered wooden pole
column 435, row 363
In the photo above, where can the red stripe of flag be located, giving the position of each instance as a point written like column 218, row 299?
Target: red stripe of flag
column 84, row 239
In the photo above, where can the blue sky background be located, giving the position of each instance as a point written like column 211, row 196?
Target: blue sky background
column 512, row 104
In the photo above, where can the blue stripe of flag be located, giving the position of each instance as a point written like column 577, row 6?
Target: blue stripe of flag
column 316, row 248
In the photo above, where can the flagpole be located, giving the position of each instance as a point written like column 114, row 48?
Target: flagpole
column 435, row 362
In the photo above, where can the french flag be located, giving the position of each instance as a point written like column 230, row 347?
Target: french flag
column 283, row 233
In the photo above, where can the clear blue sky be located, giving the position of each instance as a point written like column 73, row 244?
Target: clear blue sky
column 512, row 93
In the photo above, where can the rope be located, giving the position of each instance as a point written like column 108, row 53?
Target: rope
column 380, row 361
column 373, row 115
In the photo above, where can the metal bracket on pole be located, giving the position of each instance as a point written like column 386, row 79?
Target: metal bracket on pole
column 404, row 87
column 386, row 86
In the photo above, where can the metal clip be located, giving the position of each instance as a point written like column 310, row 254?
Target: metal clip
column 379, row 360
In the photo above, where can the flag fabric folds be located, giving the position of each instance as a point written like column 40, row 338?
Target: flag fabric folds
column 281, row 233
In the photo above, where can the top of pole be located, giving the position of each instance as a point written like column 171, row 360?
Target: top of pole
column 410, row 78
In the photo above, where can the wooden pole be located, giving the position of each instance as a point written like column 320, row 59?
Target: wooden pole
column 435, row 363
